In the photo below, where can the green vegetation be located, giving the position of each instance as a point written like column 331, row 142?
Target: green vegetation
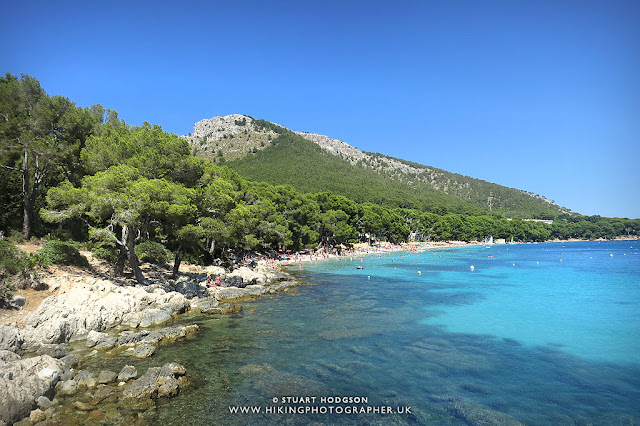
column 13, row 261
column 137, row 192
column 506, row 201
column 60, row 253
column 152, row 252
column 266, row 125
column 106, row 253
column 293, row 160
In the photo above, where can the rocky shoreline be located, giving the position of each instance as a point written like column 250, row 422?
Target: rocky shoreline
column 41, row 354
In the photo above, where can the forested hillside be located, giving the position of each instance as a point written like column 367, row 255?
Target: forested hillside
column 293, row 160
column 266, row 151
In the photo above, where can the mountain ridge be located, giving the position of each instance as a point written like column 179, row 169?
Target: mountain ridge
column 236, row 137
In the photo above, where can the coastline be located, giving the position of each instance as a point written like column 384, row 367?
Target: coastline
column 86, row 313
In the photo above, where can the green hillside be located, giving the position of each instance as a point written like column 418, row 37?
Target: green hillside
column 293, row 160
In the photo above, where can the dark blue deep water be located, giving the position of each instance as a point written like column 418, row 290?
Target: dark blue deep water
column 540, row 334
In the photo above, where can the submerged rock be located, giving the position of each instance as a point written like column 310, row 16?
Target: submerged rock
column 154, row 337
column 476, row 414
column 157, row 382
column 67, row 387
column 144, row 351
column 37, row 416
column 106, row 376
column 104, row 394
column 128, row 372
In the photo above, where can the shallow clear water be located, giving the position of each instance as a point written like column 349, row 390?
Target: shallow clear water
column 543, row 341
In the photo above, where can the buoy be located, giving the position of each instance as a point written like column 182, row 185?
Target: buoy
column 419, row 272
column 513, row 264
column 537, row 262
column 368, row 277
column 611, row 255
column 472, row 267
column 560, row 260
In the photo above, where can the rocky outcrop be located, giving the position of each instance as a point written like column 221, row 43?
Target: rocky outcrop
column 10, row 338
column 155, row 337
column 85, row 310
column 22, row 381
column 97, row 306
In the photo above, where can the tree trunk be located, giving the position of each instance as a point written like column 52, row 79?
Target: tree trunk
column 133, row 259
column 176, row 263
column 126, row 253
column 26, row 198
column 122, row 259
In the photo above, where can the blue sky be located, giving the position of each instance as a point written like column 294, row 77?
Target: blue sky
column 538, row 95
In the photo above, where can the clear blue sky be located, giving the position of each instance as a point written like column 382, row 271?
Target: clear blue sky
column 538, row 95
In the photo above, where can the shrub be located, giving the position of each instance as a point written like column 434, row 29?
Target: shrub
column 106, row 253
column 61, row 234
column 6, row 289
column 60, row 253
column 12, row 261
column 152, row 252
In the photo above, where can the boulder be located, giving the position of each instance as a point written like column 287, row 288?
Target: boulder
column 88, row 381
column 10, row 339
column 128, row 372
column 23, row 381
column 214, row 270
column 148, row 317
column 106, row 376
column 44, row 402
column 205, row 304
column 71, row 360
column 232, row 281
column 95, row 337
column 18, row 301
column 37, row 416
column 67, row 388
column 144, row 351
column 7, row 356
column 250, row 276
column 187, row 288
column 234, row 294
column 31, row 280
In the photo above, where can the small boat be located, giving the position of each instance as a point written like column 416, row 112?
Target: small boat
column 359, row 267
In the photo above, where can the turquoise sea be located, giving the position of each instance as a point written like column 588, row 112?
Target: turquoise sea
column 541, row 334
